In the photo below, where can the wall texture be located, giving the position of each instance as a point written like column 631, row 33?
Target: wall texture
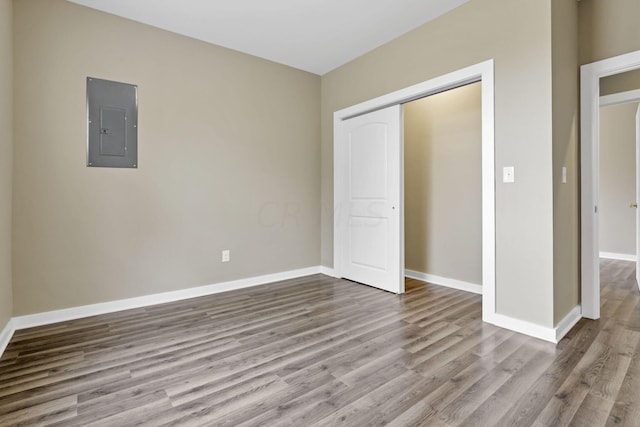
column 228, row 159
column 617, row 178
column 617, row 83
column 442, row 184
column 566, row 196
column 608, row 28
column 229, row 147
column 6, row 157
column 517, row 35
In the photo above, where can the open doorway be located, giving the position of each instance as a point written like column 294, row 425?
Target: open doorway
column 593, row 78
column 617, row 181
column 618, row 206
column 443, row 190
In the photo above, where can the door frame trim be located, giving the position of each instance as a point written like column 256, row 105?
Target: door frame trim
column 620, row 98
column 482, row 72
column 638, row 193
column 590, row 75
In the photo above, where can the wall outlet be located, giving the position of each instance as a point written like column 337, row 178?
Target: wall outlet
column 226, row 255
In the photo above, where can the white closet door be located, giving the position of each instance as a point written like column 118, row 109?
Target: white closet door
column 371, row 222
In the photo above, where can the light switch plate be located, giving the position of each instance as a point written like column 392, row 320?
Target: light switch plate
column 508, row 175
column 564, row 174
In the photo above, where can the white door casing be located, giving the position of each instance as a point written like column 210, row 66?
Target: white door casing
column 590, row 75
column 371, row 209
column 638, row 196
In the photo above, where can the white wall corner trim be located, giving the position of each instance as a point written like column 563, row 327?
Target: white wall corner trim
column 620, row 257
column 5, row 336
column 444, row 281
column 568, row 322
column 39, row 319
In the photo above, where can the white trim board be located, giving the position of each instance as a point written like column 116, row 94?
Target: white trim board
column 569, row 321
column 620, row 98
column 590, row 75
column 484, row 73
column 553, row 335
column 47, row 318
column 39, row 319
column 524, row 327
column 5, row 336
column 621, row 257
column 444, row 281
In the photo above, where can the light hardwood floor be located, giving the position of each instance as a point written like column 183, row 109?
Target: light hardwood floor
column 322, row 351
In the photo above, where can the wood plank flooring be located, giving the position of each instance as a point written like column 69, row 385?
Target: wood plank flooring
column 321, row 351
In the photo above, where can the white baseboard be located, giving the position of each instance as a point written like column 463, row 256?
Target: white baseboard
column 569, row 321
column 328, row 271
column 553, row 335
column 443, row 281
column 39, row 319
column 621, row 257
column 523, row 327
column 5, row 336
column 32, row 320
column 620, row 98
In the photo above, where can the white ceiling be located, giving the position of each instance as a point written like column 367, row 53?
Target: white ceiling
column 312, row 35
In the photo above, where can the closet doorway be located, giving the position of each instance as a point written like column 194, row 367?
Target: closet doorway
column 443, row 188
column 376, row 248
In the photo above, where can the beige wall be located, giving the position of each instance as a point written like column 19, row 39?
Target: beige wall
column 517, row 35
column 617, row 178
column 222, row 168
column 608, row 28
column 6, row 157
column 617, row 83
column 228, row 159
column 443, row 191
column 566, row 196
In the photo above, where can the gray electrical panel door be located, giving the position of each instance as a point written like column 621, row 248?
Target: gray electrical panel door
column 112, row 128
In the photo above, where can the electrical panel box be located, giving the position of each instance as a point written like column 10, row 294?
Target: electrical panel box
column 112, row 124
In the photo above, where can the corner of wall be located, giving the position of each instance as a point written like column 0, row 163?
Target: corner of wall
column 6, row 161
column 565, row 92
column 227, row 171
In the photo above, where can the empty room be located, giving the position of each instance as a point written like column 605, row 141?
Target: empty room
column 257, row 213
